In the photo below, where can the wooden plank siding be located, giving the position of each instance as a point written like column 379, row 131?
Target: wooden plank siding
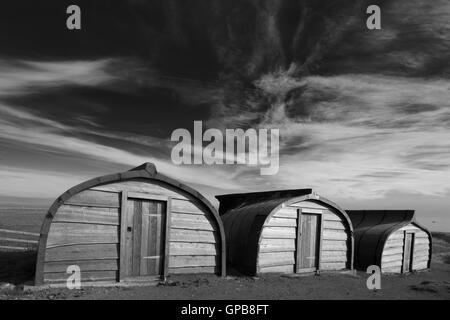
column 142, row 186
column 85, row 231
column 393, row 253
column 335, row 253
column 86, row 276
column 89, row 215
column 194, row 242
column 95, row 198
column 277, row 246
column 65, row 233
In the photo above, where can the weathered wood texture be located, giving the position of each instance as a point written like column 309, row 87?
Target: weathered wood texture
column 85, row 231
column 380, row 240
column 394, row 250
column 277, row 249
column 144, row 247
column 261, row 231
column 194, row 239
column 308, row 241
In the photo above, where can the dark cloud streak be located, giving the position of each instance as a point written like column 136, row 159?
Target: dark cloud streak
column 354, row 106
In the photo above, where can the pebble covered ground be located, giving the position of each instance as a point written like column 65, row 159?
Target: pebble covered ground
column 434, row 284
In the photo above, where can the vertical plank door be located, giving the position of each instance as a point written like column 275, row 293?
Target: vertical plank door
column 153, row 239
column 308, row 247
column 408, row 252
column 145, row 238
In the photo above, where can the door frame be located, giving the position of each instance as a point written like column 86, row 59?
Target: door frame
column 318, row 213
column 125, row 195
column 411, row 249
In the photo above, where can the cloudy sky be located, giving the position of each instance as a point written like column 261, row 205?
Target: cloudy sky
column 364, row 115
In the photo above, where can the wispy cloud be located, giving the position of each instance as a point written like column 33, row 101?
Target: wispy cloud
column 20, row 77
column 47, row 137
column 32, row 131
column 364, row 136
column 351, row 134
column 374, row 118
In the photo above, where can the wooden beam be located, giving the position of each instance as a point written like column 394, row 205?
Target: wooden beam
column 147, row 196
column 167, row 237
column 320, row 219
column 298, row 239
column 122, row 230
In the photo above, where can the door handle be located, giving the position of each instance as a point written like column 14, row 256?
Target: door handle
column 129, row 229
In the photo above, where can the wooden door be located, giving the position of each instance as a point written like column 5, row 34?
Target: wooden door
column 145, row 234
column 408, row 252
column 308, row 242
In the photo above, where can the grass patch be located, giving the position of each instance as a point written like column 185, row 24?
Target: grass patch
column 442, row 236
column 17, row 267
column 446, row 259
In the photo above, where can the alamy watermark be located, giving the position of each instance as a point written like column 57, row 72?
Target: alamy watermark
column 74, row 280
column 373, row 21
column 251, row 147
column 374, row 281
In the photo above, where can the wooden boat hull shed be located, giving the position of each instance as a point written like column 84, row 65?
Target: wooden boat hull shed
column 390, row 239
column 134, row 226
column 290, row 231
